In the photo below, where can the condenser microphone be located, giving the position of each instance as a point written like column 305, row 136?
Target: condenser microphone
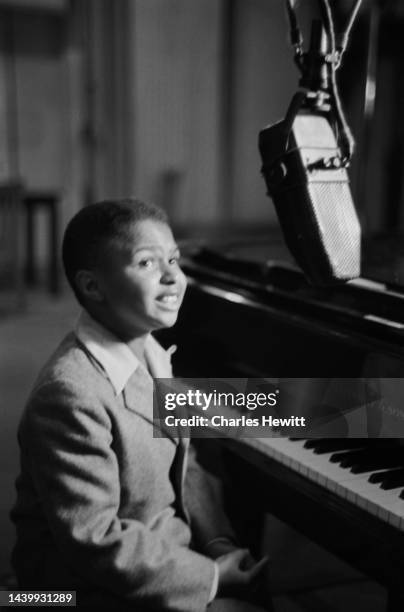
column 306, row 178
column 310, row 190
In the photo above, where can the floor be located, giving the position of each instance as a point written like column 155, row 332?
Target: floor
column 303, row 577
column 27, row 337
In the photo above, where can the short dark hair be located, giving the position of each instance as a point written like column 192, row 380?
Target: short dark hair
column 94, row 226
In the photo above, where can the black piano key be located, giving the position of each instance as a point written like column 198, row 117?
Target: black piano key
column 378, row 477
column 369, row 461
column 329, row 446
column 349, row 458
column 312, row 442
column 394, row 480
column 382, row 452
column 376, row 464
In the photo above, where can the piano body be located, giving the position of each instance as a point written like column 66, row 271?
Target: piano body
column 249, row 312
column 245, row 316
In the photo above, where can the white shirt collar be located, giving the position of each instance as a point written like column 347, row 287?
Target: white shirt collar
column 115, row 356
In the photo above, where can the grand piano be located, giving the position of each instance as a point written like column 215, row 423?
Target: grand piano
column 249, row 312
column 246, row 315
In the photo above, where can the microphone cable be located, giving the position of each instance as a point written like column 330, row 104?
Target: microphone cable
column 338, row 44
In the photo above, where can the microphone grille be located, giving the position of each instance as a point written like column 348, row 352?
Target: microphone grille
column 338, row 225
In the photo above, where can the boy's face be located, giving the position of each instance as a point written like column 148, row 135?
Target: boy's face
column 141, row 282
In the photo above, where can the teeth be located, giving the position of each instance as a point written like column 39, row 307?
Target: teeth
column 169, row 299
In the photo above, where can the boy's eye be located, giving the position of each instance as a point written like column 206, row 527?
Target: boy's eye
column 174, row 260
column 146, row 262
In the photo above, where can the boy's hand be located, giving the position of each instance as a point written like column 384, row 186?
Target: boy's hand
column 237, row 572
column 219, row 547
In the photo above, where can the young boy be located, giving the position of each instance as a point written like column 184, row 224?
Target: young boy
column 103, row 508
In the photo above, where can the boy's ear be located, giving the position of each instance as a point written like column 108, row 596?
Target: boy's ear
column 88, row 285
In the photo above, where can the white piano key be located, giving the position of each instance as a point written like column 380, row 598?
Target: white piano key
column 354, row 488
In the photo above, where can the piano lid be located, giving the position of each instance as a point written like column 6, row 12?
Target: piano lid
column 251, row 312
column 264, row 268
column 382, row 256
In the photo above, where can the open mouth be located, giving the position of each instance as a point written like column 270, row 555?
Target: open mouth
column 171, row 299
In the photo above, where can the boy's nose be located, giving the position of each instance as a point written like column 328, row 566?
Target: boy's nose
column 169, row 274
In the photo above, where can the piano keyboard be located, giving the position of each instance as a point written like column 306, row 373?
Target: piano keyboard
column 356, row 488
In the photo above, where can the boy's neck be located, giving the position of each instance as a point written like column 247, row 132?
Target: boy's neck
column 136, row 343
column 137, row 346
